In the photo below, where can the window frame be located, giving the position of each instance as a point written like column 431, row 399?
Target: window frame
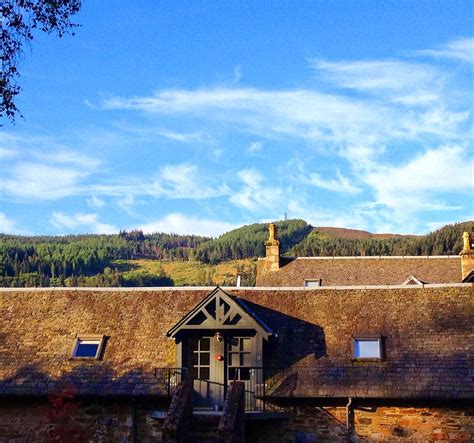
column 369, row 337
column 88, row 337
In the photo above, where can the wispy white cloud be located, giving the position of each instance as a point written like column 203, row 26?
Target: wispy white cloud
column 357, row 120
column 180, row 136
column 341, row 184
column 67, row 157
column 255, row 147
column 39, row 181
column 6, row 153
column 95, row 202
column 86, row 222
column 42, row 168
column 185, row 181
column 255, row 195
column 319, row 216
column 184, row 224
column 127, row 203
column 237, row 74
column 410, row 84
column 217, row 153
column 45, row 148
column 425, row 183
column 414, row 185
column 6, row 224
column 378, row 75
column 460, row 49
column 336, row 120
column 9, row 225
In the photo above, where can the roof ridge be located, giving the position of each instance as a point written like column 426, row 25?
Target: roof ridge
column 233, row 288
column 378, row 257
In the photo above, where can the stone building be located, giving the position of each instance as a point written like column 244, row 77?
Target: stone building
column 376, row 349
column 277, row 271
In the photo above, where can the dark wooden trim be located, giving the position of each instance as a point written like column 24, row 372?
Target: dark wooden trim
column 237, row 307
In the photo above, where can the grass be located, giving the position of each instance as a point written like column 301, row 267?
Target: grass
column 187, row 273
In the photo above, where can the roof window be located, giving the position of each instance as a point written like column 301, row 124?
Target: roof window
column 411, row 280
column 88, row 346
column 312, row 283
column 368, row 348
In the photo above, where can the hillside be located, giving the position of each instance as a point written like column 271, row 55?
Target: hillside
column 187, row 273
column 249, row 241
column 136, row 259
column 341, row 242
column 355, row 234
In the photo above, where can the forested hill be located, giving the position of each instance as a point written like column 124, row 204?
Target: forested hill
column 444, row 241
column 249, row 241
column 92, row 259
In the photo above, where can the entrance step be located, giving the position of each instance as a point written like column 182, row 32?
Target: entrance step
column 203, row 426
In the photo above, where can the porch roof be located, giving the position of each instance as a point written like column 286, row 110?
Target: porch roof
column 221, row 311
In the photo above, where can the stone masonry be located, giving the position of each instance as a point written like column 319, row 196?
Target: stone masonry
column 420, row 391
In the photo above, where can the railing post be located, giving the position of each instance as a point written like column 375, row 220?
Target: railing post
column 232, row 423
column 176, row 424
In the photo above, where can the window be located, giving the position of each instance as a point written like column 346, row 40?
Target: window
column 412, row 281
column 239, row 355
column 367, row 348
column 312, row 283
column 88, row 346
column 201, row 358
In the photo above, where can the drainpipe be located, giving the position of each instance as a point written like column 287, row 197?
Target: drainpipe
column 133, row 414
column 349, row 420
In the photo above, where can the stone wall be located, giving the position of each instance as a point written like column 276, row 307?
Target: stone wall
column 80, row 420
column 43, row 420
column 23, row 420
column 372, row 424
column 422, row 424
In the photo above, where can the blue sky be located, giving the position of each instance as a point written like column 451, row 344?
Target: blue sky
column 198, row 117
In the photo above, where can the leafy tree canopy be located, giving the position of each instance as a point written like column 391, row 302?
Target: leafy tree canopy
column 19, row 19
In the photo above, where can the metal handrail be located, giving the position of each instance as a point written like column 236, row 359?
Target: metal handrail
column 170, row 378
column 259, row 384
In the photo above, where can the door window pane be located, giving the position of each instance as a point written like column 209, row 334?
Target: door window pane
column 232, row 374
column 200, row 358
column 244, row 374
column 205, row 344
column 205, row 358
column 204, row 373
column 245, row 344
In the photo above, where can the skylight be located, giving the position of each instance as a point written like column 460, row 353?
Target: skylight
column 312, row 283
column 88, row 346
column 367, row 348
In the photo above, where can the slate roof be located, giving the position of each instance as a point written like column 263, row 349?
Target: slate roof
column 361, row 271
column 428, row 333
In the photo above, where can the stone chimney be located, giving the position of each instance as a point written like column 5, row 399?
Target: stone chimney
column 272, row 245
column 467, row 256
